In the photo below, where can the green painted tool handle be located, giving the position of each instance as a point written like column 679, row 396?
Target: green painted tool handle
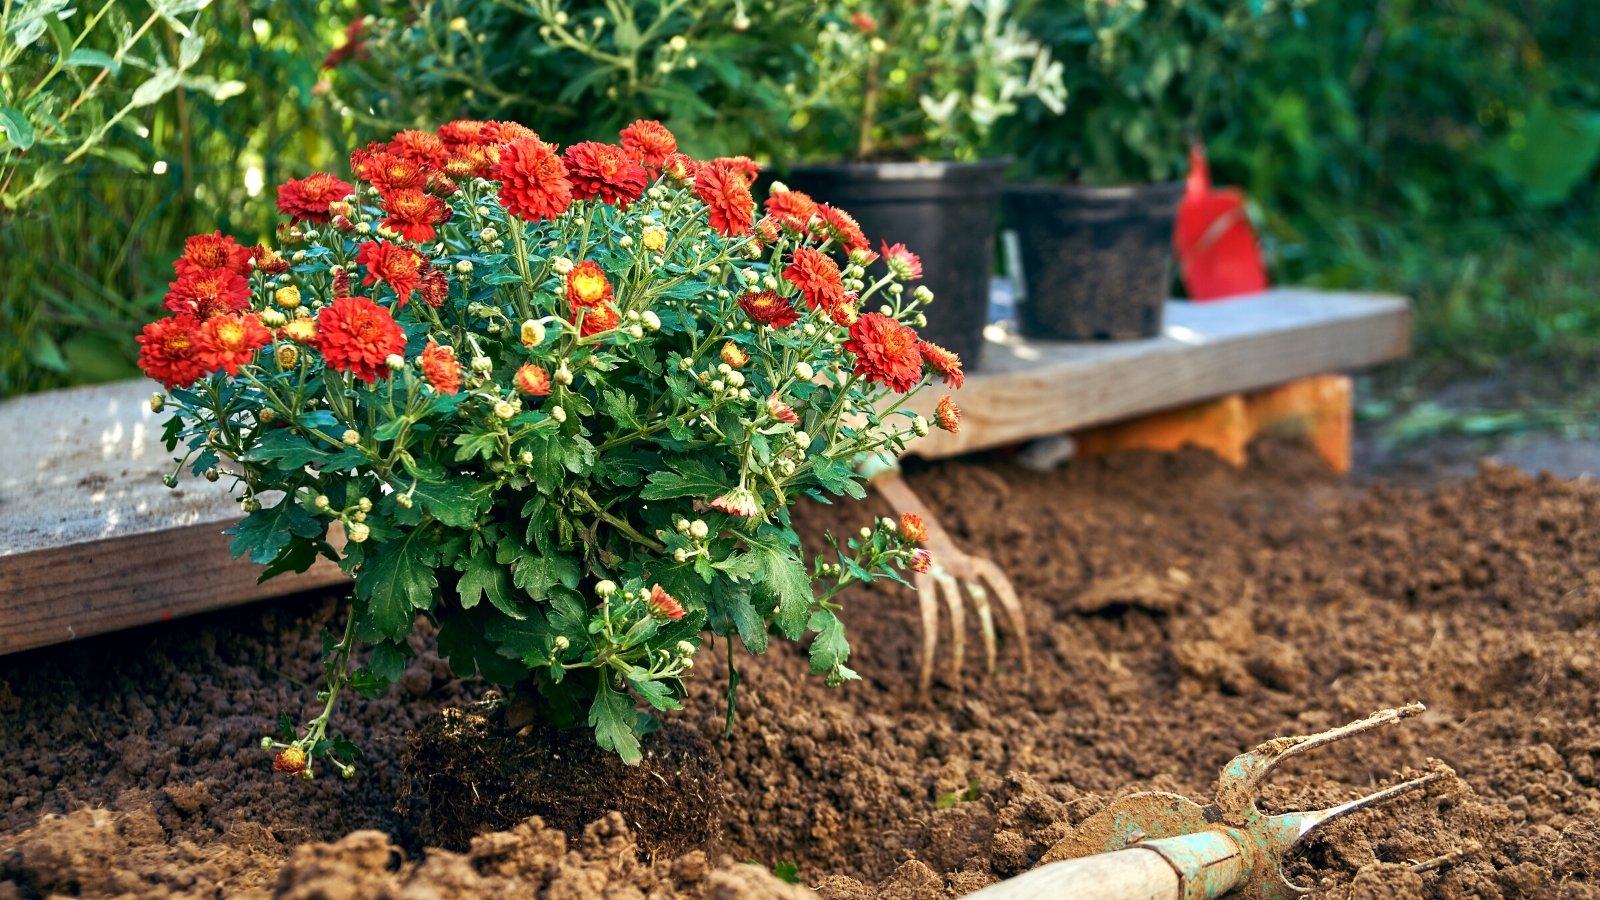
column 1191, row 867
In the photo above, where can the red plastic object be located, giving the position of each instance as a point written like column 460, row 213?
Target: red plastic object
column 1218, row 253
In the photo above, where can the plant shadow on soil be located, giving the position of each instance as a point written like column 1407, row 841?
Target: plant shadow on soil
column 1181, row 611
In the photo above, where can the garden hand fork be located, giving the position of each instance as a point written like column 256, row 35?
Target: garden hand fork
column 951, row 571
column 1155, row 845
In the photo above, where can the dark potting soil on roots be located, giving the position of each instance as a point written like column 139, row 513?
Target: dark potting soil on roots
column 1181, row 612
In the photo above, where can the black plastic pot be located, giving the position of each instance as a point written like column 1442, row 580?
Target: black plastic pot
column 945, row 213
column 1096, row 262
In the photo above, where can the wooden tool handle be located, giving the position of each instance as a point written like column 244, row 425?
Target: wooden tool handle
column 1132, row 874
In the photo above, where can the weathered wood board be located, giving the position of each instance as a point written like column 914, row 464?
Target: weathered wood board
column 90, row 540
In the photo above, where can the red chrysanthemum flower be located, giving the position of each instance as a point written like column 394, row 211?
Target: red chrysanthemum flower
column 679, row 168
column 782, row 411
column 842, row 228
column 434, row 288
column 587, row 285
column 289, row 761
column 740, row 501
column 726, row 193
column 269, row 260
column 229, row 341
column 863, row 21
column 308, row 198
column 506, row 132
column 792, row 209
column 398, row 266
column 769, row 308
column 473, row 160
column 204, row 293
column 532, row 380
column 386, row 171
column 213, row 251
column 414, row 213
column 533, row 180
column 664, row 604
column 341, row 280
column 605, row 171
column 421, row 147
column 912, row 528
column 649, row 142
column 595, row 319
column 440, row 367
column 746, row 168
column 356, row 335
column 885, row 352
column 921, row 560
column 948, row 415
column 943, row 363
column 733, row 355
column 464, row 131
column 167, row 350
column 904, row 264
column 817, row 276
column 767, row 231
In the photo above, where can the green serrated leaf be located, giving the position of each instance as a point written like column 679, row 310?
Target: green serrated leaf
column 455, row 501
column 692, row 479
column 483, row 577
column 17, row 128
column 396, row 580
column 612, row 718
column 782, row 582
column 830, row 650
column 654, row 692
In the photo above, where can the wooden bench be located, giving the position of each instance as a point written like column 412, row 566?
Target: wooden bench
column 91, row 542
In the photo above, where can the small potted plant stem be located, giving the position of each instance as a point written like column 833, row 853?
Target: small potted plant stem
column 895, row 131
column 1094, row 228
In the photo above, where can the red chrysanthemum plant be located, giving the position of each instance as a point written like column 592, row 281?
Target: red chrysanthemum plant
column 556, row 402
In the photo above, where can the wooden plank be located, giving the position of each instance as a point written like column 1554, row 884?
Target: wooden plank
column 1027, row 389
column 90, row 540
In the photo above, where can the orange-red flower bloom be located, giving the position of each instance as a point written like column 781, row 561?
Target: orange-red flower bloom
column 605, row 171
column 664, row 604
column 167, row 350
column 464, row 131
column 308, row 197
column 885, row 352
column 792, row 209
column 354, row 46
column 587, row 285
column 782, row 411
column 421, row 147
column 229, row 341
column 948, row 415
column 921, row 560
column 905, row 265
column 434, row 288
column 532, row 380
column 398, row 266
column 301, row 331
column 649, row 142
column 506, row 132
column 863, row 21
column 817, row 276
column 768, row 308
column 473, row 160
column 943, row 363
column 356, row 335
column 204, row 293
column 440, row 367
column 746, row 168
column 595, row 319
column 841, row 227
column 533, row 180
column 414, row 213
column 213, row 251
column 912, row 528
column 679, row 168
column 726, row 193
column 386, row 171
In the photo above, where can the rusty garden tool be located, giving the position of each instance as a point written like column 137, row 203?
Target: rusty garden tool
column 952, row 571
column 1160, row 846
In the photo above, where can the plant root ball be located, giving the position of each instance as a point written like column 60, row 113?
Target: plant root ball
column 474, row 773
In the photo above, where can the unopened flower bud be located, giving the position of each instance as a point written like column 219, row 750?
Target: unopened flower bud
column 802, row 371
column 685, row 648
column 865, row 532
column 250, row 504
column 526, row 457
column 718, row 386
column 922, row 294
column 504, row 410
column 464, row 266
column 802, row 439
column 357, row 532
column 636, row 331
column 404, row 501
column 561, row 643
column 652, row 322
column 625, row 241
column 287, row 297
column 563, row 374
column 532, row 333
column 395, row 362
column 562, row 265
column 267, row 415
column 698, row 529
column 559, row 414
column 322, row 501
column 159, row 401
column 266, row 743
column 919, row 425
column 482, row 364
column 679, row 556
column 351, row 437
column 364, row 504
column 605, row 589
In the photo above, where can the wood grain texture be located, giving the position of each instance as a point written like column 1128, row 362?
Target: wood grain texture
column 90, row 540
column 1028, row 389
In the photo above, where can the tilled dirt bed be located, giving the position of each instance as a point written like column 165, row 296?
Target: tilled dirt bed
column 1181, row 612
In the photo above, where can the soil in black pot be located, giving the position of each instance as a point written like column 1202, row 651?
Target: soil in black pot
column 1096, row 262
column 476, row 771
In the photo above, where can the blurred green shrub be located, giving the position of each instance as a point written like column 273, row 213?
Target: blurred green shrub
column 711, row 70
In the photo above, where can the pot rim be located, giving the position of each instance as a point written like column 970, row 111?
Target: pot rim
column 1095, row 192
column 900, row 171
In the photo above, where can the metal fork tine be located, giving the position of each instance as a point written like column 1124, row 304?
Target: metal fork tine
column 985, row 623
column 991, row 573
column 927, row 598
column 958, row 624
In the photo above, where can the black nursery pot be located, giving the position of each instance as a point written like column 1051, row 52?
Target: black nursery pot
column 943, row 212
column 1096, row 262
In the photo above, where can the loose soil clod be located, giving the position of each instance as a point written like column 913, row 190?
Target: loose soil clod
column 1241, row 606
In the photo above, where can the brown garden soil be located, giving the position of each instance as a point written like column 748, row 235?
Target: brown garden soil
column 1181, row 612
